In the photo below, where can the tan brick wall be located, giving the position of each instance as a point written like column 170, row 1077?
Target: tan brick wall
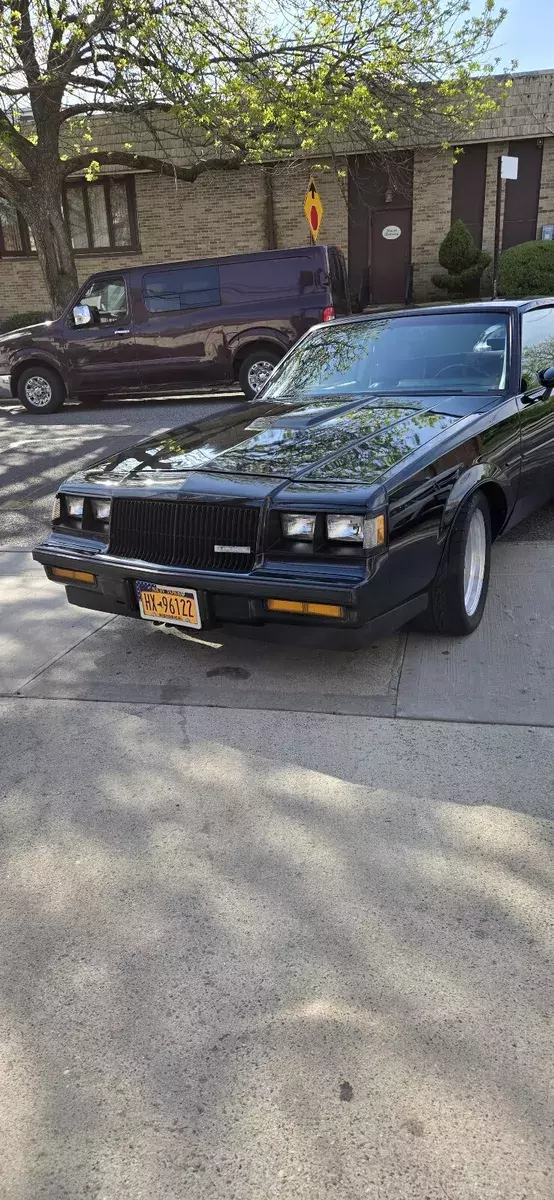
column 546, row 196
column 432, row 206
column 224, row 213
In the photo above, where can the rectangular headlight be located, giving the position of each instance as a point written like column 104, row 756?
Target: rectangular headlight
column 74, row 505
column 345, row 529
column 369, row 531
column 101, row 510
column 299, row 527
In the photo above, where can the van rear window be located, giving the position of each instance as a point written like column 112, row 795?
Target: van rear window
column 269, row 279
column 182, row 287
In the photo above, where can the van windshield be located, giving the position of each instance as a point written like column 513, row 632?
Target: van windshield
column 439, row 353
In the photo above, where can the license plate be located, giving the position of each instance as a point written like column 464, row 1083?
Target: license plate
column 179, row 606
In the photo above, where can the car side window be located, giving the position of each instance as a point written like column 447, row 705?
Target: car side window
column 182, row 287
column 537, row 345
column 108, row 299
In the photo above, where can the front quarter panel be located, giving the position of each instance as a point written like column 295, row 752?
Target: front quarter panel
column 423, row 506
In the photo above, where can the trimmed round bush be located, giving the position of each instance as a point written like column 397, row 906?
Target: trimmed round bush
column 527, row 270
column 464, row 263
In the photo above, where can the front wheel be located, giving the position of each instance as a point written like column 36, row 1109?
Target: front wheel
column 255, row 371
column 459, row 593
column 40, row 390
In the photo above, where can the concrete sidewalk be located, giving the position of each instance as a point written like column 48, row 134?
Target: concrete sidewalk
column 503, row 673
column 275, row 955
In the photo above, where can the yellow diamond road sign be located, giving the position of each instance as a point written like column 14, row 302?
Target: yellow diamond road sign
column 313, row 209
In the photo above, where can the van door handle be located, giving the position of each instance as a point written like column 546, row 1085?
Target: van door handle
column 120, row 332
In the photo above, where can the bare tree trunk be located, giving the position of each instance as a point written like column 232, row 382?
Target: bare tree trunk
column 44, row 214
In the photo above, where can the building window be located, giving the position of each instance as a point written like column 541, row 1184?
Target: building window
column 102, row 215
column 15, row 235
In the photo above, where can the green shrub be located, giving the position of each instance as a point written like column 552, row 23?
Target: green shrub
column 18, row 320
column 527, row 270
column 463, row 261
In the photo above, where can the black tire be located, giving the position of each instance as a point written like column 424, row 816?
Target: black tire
column 447, row 612
column 257, row 359
column 47, row 386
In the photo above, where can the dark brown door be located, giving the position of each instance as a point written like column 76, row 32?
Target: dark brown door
column 390, row 255
column 102, row 357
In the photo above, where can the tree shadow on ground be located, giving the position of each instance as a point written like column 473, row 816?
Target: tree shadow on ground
column 214, row 921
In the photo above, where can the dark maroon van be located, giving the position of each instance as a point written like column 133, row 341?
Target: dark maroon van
column 177, row 325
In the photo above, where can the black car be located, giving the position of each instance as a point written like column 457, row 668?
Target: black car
column 362, row 487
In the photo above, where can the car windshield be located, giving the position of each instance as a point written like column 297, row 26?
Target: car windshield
column 443, row 352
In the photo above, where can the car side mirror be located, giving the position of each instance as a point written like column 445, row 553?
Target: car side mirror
column 547, row 377
column 82, row 315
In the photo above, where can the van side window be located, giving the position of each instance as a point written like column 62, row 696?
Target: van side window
column 268, row 280
column 537, row 345
column 183, row 287
column 108, row 297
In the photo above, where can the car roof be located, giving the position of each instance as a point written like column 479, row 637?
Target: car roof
column 484, row 306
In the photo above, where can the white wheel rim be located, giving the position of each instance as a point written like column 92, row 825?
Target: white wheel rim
column 259, row 374
column 475, row 561
column 38, row 391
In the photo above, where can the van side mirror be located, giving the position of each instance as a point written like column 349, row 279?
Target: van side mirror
column 82, row 315
column 547, row 377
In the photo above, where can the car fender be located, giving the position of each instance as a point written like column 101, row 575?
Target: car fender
column 255, row 334
column 470, row 481
column 26, row 357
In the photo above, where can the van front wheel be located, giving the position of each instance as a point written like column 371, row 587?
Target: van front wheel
column 255, row 371
column 40, row 390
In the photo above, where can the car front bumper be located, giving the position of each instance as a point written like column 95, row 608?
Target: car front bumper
column 233, row 598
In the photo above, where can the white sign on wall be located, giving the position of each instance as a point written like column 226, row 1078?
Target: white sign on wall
column 391, row 232
column 509, row 166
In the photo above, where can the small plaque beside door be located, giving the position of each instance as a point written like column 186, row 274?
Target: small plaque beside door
column 391, row 232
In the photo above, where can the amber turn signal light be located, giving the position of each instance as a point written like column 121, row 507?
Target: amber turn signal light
column 302, row 606
column 77, row 576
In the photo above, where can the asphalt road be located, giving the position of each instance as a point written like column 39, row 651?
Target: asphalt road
column 37, row 453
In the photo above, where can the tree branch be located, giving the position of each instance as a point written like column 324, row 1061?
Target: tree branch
column 16, row 142
column 148, row 162
column 12, row 189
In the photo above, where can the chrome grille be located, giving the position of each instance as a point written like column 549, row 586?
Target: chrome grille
column 175, row 533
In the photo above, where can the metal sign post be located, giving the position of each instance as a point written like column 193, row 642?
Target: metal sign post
column 507, row 169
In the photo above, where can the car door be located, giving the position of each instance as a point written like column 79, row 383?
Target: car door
column 536, row 484
column 179, row 329
column 102, row 357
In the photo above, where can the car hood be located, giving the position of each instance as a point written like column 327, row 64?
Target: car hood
column 14, row 335
column 320, row 440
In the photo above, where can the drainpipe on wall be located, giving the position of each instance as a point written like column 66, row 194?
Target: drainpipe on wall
column 270, row 235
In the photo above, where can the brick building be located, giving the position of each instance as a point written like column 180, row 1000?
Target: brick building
column 125, row 218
